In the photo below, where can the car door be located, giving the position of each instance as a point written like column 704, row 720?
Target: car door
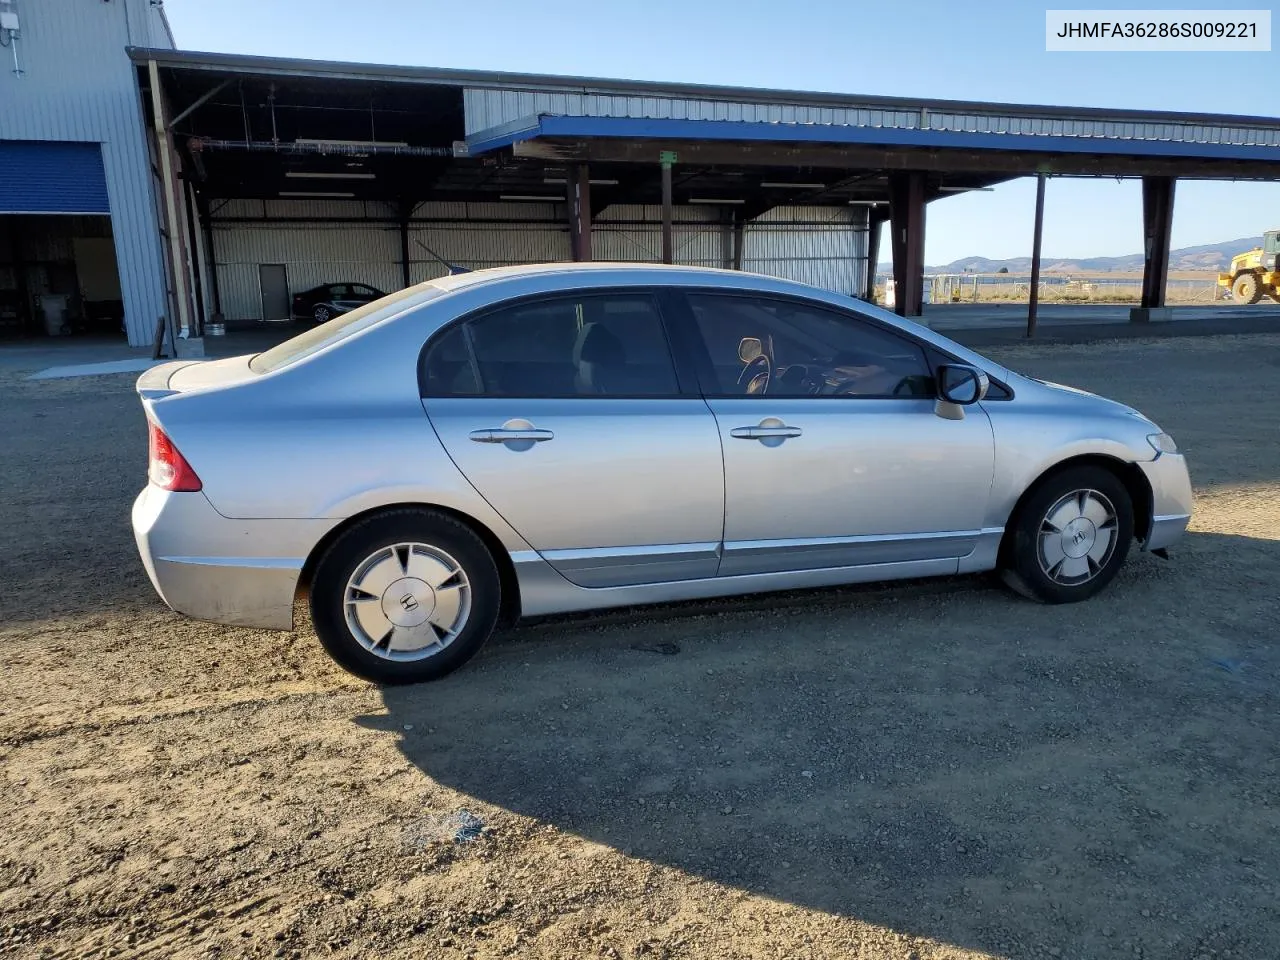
column 566, row 413
column 833, row 453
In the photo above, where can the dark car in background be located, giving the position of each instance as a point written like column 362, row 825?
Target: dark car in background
column 321, row 304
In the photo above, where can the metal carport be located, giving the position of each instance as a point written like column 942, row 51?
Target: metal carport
column 478, row 167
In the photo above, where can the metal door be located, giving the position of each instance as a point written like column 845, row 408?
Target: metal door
column 620, row 485
column 274, row 282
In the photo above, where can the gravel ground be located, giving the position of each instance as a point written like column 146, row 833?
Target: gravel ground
column 927, row 770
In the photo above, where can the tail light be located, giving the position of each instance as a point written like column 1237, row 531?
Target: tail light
column 167, row 468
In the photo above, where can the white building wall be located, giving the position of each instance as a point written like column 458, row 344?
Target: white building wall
column 78, row 84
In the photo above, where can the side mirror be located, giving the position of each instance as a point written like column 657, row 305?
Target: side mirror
column 961, row 384
column 749, row 348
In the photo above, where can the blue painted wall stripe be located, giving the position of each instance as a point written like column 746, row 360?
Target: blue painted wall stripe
column 52, row 177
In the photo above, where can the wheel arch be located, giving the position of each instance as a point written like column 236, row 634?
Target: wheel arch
column 1130, row 474
column 510, row 583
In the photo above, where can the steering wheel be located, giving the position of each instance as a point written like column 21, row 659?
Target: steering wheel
column 756, row 375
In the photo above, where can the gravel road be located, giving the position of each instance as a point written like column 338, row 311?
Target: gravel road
column 923, row 770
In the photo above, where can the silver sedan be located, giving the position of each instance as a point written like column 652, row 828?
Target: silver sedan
column 541, row 439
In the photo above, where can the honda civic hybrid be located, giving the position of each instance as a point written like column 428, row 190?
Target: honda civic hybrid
column 541, row 439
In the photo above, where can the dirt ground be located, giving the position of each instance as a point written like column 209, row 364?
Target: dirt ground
column 926, row 770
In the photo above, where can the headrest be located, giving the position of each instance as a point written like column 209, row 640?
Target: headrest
column 596, row 344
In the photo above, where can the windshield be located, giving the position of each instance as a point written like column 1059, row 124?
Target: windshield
column 339, row 328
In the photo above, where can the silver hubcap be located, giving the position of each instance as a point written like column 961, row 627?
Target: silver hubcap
column 1077, row 537
column 407, row 601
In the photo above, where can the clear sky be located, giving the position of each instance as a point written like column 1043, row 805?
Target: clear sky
column 981, row 50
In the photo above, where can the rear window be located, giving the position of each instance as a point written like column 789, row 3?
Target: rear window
column 339, row 328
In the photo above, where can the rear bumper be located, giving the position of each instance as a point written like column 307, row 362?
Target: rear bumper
column 1171, row 500
column 241, row 572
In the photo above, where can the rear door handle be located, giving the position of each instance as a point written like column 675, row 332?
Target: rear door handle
column 503, row 435
column 782, row 432
column 511, row 435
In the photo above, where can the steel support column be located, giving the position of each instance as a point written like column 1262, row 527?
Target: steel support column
column 167, row 158
column 1033, row 299
column 728, row 218
column 906, row 215
column 193, row 248
column 668, row 243
column 876, row 217
column 406, row 211
column 1157, row 224
column 580, row 212
column 211, row 254
column 739, row 239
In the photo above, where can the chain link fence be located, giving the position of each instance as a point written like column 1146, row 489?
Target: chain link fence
column 1012, row 288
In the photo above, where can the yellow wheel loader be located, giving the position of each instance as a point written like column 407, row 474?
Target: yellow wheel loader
column 1253, row 274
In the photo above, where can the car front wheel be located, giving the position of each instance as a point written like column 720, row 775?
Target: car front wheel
column 1070, row 536
column 405, row 596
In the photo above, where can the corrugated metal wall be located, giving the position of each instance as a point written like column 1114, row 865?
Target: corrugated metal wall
column 824, row 246
column 312, row 254
column 488, row 108
column 79, row 85
column 631, row 232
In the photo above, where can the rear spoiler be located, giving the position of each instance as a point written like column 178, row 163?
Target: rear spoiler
column 154, row 383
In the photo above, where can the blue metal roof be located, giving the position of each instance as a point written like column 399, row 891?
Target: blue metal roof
column 45, row 176
column 637, row 128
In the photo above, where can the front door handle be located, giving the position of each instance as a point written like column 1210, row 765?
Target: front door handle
column 511, row 435
column 770, row 428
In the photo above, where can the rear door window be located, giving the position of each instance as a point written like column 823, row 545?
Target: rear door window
column 595, row 345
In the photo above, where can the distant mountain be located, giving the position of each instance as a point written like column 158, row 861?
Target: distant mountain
column 1210, row 257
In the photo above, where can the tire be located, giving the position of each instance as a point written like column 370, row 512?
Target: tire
column 1070, row 564
column 322, row 314
column 1246, row 288
column 431, row 596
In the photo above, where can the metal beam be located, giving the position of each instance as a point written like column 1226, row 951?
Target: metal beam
column 199, row 102
column 997, row 162
column 906, row 213
column 1033, row 300
column 1157, row 224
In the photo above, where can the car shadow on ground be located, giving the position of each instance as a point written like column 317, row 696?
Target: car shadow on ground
column 958, row 764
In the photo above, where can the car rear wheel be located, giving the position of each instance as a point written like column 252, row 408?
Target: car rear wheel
column 322, row 314
column 405, row 596
column 1070, row 537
